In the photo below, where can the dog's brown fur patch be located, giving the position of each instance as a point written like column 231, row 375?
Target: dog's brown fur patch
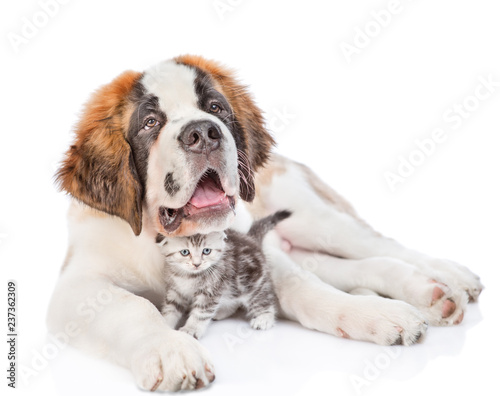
column 98, row 168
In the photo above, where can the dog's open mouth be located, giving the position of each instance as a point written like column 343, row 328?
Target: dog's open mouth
column 208, row 197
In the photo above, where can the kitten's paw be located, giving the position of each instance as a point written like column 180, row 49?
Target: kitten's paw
column 263, row 321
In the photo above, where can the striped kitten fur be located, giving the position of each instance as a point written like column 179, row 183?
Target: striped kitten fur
column 211, row 276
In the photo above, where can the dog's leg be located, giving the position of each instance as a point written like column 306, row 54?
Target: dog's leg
column 303, row 297
column 388, row 277
column 324, row 221
column 128, row 329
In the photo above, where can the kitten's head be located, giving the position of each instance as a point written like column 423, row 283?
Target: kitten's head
column 194, row 253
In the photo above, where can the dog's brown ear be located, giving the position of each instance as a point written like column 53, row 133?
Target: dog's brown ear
column 253, row 142
column 99, row 168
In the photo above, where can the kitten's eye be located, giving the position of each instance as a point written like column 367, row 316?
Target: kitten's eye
column 184, row 252
column 215, row 108
column 150, row 123
column 207, row 251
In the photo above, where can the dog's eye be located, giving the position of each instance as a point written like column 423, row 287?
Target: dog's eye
column 184, row 252
column 215, row 108
column 150, row 123
column 207, row 251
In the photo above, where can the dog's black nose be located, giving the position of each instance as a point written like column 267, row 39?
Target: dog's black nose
column 200, row 137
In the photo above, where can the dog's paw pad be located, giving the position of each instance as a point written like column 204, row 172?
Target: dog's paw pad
column 449, row 307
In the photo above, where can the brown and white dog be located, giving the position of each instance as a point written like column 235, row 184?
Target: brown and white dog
column 182, row 149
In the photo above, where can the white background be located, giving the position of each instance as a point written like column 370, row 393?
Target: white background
column 349, row 121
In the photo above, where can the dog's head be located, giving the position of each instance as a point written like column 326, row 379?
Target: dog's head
column 173, row 147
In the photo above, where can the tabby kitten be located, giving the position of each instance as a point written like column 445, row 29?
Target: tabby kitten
column 211, row 276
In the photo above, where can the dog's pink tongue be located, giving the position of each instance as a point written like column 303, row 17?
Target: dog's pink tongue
column 206, row 194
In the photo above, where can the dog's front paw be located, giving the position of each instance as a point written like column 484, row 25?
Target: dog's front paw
column 379, row 320
column 171, row 361
column 397, row 323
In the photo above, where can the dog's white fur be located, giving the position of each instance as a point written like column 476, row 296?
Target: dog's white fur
column 314, row 286
column 172, row 84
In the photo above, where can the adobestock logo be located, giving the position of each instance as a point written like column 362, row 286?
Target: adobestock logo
column 363, row 36
column 280, row 119
column 454, row 117
column 30, row 27
column 374, row 369
column 222, row 7
column 87, row 311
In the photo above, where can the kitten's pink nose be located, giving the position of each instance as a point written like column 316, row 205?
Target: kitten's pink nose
column 196, row 265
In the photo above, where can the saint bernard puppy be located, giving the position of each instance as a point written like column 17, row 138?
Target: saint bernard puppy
column 182, row 149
